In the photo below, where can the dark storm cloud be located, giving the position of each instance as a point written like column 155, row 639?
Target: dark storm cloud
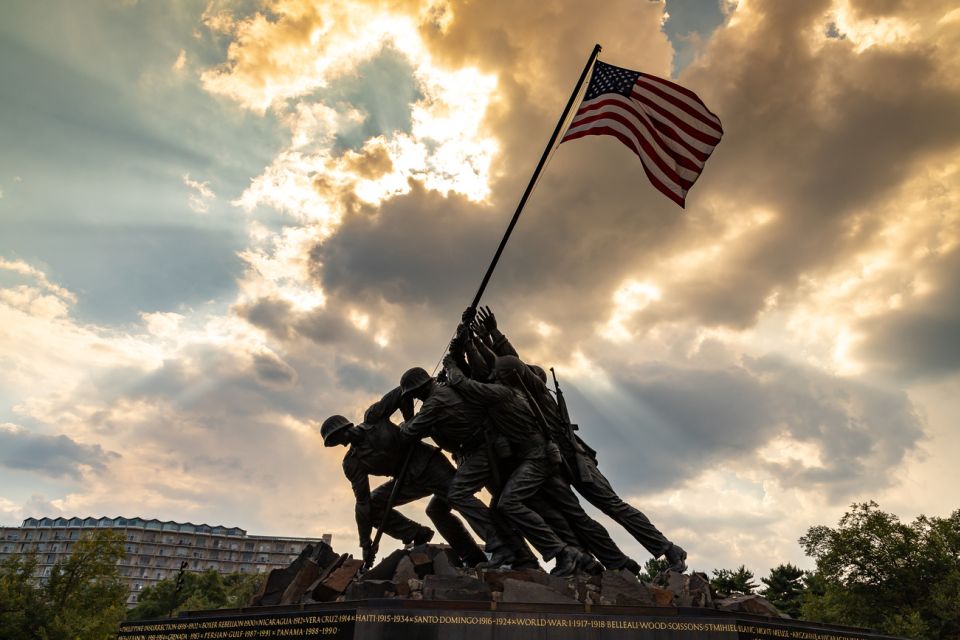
column 273, row 372
column 360, row 376
column 419, row 248
column 53, row 456
column 815, row 135
column 270, row 314
column 666, row 423
column 920, row 340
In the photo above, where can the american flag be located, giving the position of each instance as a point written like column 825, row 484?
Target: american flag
column 665, row 124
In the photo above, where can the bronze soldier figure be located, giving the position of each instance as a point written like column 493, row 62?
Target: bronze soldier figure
column 535, row 473
column 458, row 428
column 585, row 476
column 375, row 448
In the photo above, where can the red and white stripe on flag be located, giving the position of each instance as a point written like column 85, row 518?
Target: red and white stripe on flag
column 666, row 125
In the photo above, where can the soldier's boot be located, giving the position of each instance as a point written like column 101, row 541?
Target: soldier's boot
column 499, row 557
column 677, row 558
column 590, row 565
column 423, row 536
column 567, row 562
column 632, row 566
column 474, row 559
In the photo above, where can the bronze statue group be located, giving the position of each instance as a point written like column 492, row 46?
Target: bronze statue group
column 507, row 433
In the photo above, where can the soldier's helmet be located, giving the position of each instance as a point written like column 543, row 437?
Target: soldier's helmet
column 507, row 369
column 539, row 372
column 332, row 425
column 413, row 379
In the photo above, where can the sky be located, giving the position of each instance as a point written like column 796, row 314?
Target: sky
column 222, row 221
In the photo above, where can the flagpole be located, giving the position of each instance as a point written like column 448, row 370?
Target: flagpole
column 536, row 175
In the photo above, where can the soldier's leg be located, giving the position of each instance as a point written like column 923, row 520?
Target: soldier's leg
column 523, row 556
column 472, row 474
column 555, row 519
column 595, row 538
column 523, row 484
column 436, row 480
column 600, row 494
column 398, row 525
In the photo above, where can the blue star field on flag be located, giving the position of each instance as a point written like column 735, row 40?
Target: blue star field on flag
column 610, row 79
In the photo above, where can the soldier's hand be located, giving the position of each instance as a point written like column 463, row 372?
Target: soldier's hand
column 448, row 362
column 477, row 327
column 487, row 318
column 369, row 556
column 468, row 315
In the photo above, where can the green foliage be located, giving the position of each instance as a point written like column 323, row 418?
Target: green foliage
column 653, row 568
column 200, row 591
column 784, row 588
column 875, row 571
column 739, row 580
column 82, row 599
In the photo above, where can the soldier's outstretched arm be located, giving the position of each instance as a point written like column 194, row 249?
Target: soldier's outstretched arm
column 501, row 346
column 480, row 367
column 360, row 482
column 385, row 407
column 489, row 357
column 489, row 394
column 422, row 424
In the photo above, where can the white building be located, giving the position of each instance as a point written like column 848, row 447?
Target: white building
column 155, row 549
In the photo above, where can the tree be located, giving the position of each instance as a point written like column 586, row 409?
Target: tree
column 652, row 568
column 82, row 599
column 784, row 589
column 739, row 580
column 875, row 571
column 200, row 591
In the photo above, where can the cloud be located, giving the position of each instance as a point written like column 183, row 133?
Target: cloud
column 662, row 425
column 918, row 340
column 53, row 456
column 745, row 361
column 200, row 201
column 181, row 62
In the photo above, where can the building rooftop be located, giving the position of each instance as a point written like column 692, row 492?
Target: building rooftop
column 137, row 522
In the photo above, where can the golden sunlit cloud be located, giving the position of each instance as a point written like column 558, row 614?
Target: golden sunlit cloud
column 632, row 296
